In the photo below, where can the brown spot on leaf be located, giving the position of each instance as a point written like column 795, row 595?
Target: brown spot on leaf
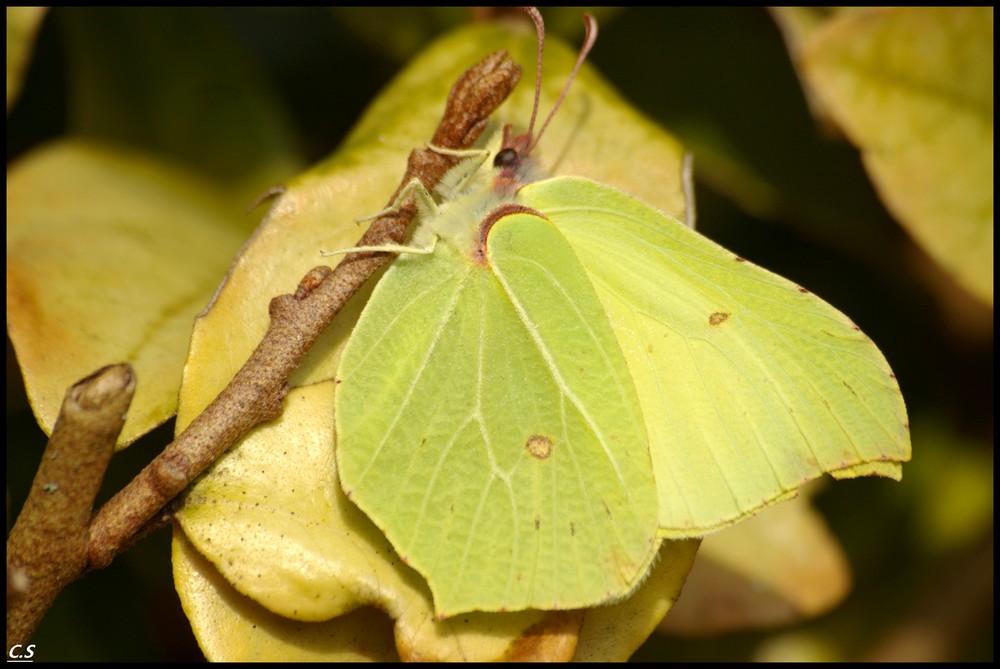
column 553, row 639
column 538, row 446
column 717, row 318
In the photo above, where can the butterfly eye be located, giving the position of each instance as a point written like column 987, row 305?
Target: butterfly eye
column 505, row 158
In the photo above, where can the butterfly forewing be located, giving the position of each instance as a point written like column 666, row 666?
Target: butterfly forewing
column 491, row 429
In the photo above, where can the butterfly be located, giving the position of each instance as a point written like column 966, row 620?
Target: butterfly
column 555, row 377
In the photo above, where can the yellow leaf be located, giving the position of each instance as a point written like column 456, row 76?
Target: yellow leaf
column 612, row 633
column 913, row 88
column 230, row 626
column 22, row 26
column 780, row 567
column 109, row 258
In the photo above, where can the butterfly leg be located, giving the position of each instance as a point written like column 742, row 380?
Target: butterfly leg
column 386, row 248
column 415, row 187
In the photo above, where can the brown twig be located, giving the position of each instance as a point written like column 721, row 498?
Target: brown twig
column 47, row 548
column 256, row 393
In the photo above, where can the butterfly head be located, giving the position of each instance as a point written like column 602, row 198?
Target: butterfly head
column 512, row 160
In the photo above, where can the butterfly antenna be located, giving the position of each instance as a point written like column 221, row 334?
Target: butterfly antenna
column 588, row 43
column 540, row 32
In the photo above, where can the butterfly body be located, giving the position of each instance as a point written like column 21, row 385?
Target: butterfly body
column 475, row 190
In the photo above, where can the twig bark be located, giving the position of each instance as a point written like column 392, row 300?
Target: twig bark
column 47, row 548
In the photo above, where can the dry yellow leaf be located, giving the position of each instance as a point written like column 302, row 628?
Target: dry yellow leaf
column 110, row 255
column 913, row 88
column 780, row 567
column 22, row 26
